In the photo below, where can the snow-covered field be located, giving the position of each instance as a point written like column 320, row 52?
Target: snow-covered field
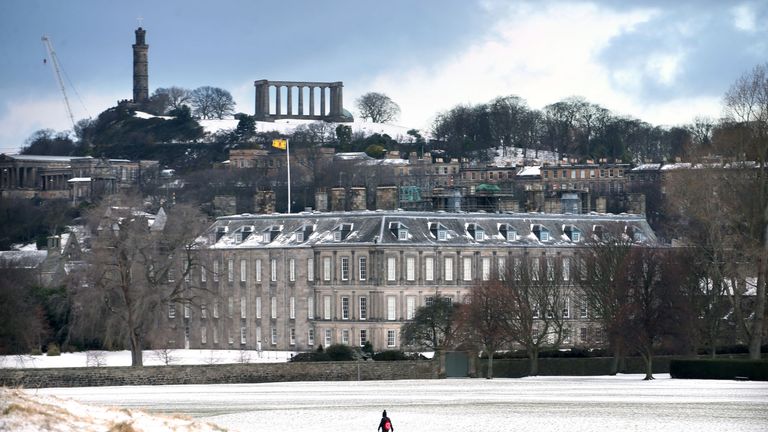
column 621, row 403
column 151, row 358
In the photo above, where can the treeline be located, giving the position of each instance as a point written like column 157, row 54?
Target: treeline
column 573, row 127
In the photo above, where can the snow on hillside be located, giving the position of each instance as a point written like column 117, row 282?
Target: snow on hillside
column 21, row 412
column 513, row 156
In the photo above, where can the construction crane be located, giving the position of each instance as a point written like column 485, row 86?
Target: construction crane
column 57, row 70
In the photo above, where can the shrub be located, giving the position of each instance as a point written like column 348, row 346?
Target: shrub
column 340, row 352
column 391, row 355
column 310, row 357
column 756, row 370
column 53, row 350
column 35, row 351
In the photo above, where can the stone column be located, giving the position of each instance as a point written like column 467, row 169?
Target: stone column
column 322, row 100
column 301, row 100
column 312, row 100
column 290, row 100
column 277, row 100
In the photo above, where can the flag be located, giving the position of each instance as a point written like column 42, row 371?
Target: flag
column 280, row 143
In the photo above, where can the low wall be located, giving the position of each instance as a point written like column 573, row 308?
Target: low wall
column 217, row 374
column 515, row 368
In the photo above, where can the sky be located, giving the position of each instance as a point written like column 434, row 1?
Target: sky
column 664, row 62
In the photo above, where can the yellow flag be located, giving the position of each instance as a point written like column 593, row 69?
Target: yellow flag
column 280, row 143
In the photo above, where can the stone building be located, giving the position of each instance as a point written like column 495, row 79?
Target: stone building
column 296, row 281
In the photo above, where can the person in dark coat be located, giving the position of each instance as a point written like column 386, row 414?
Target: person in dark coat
column 385, row 424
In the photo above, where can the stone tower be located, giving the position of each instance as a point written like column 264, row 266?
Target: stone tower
column 140, row 68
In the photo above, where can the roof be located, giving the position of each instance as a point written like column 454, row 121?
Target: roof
column 374, row 228
column 22, row 259
column 45, row 158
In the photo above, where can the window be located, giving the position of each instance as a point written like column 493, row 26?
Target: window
column 428, row 301
column 258, row 270
column 292, row 308
column 566, row 307
column 550, row 269
column 391, row 308
column 544, row 236
column 292, row 269
column 310, row 269
column 326, row 268
column 566, row 268
column 402, row 233
column 216, row 271
column 215, row 335
column 344, row 268
column 243, row 333
column 273, row 270
column 536, row 311
column 486, row 268
column 345, row 308
column 535, row 267
column 171, row 276
column 390, row 338
column 583, row 334
column 203, row 311
column 311, row 337
column 203, row 275
column 363, row 337
column 429, row 268
column 410, row 307
column 391, row 267
column 363, row 302
column 583, row 309
column 230, row 337
column 362, row 268
column 442, row 234
column 345, row 336
column 337, row 236
column 230, row 306
column 300, row 236
column 467, row 268
column 410, row 268
column 185, row 266
column 274, row 335
column 258, row 338
column 501, row 266
column 293, row 336
column 576, row 236
column 258, row 307
column 171, row 310
column 230, row 270
column 479, row 235
column 216, row 308
column 517, row 268
column 273, row 307
column 448, row 266
column 310, row 308
column 203, row 335
column 327, row 307
column 243, row 307
column 327, row 337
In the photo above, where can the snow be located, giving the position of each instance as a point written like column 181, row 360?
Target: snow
column 530, row 171
column 399, row 133
column 606, row 403
column 79, row 179
column 151, row 358
column 514, row 156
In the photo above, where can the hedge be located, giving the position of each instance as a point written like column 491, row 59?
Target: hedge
column 755, row 370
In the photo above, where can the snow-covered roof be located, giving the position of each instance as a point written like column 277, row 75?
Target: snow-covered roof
column 22, row 259
column 41, row 158
column 79, row 180
column 530, row 171
column 372, row 227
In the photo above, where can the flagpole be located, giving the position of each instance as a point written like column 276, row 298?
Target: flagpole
column 288, row 164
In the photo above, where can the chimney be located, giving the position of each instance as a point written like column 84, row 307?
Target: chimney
column 357, row 198
column 338, row 199
column 386, row 197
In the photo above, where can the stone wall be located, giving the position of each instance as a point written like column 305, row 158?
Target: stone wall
column 217, row 374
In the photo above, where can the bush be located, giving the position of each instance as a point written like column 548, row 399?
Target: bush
column 391, row 355
column 53, row 350
column 35, row 351
column 340, row 352
column 310, row 357
column 756, row 370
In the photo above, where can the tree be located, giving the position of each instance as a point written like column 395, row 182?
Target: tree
column 136, row 268
column 536, row 293
column 49, row 143
column 484, row 318
column 378, row 108
column 433, row 328
column 211, row 102
column 176, row 97
column 22, row 323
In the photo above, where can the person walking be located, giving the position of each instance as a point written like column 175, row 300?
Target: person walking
column 385, row 424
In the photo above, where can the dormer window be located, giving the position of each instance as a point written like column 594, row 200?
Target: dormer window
column 221, row 232
column 541, row 232
column 636, row 234
column 269, row 234
column 342, row 231
column 303, row 233
column 476, row 232
column 598, row 231
column 439, row 231
column 508, row 232
column 572, row 232
column 300, row 236
column 399, row 230
column 242, row 234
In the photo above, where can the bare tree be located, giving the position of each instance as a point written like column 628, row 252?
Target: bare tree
column 137, row 266
column 483, row 318
column 378, row 108
column 433, row 328
column 211, row 102
column 177, row 96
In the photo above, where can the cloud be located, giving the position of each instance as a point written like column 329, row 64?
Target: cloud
column 744, row 18
column 22, row 117
column 544, row 54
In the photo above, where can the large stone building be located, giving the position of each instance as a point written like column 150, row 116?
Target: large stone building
column 296, row 281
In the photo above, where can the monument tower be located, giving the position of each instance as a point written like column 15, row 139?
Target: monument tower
column 140, row 68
